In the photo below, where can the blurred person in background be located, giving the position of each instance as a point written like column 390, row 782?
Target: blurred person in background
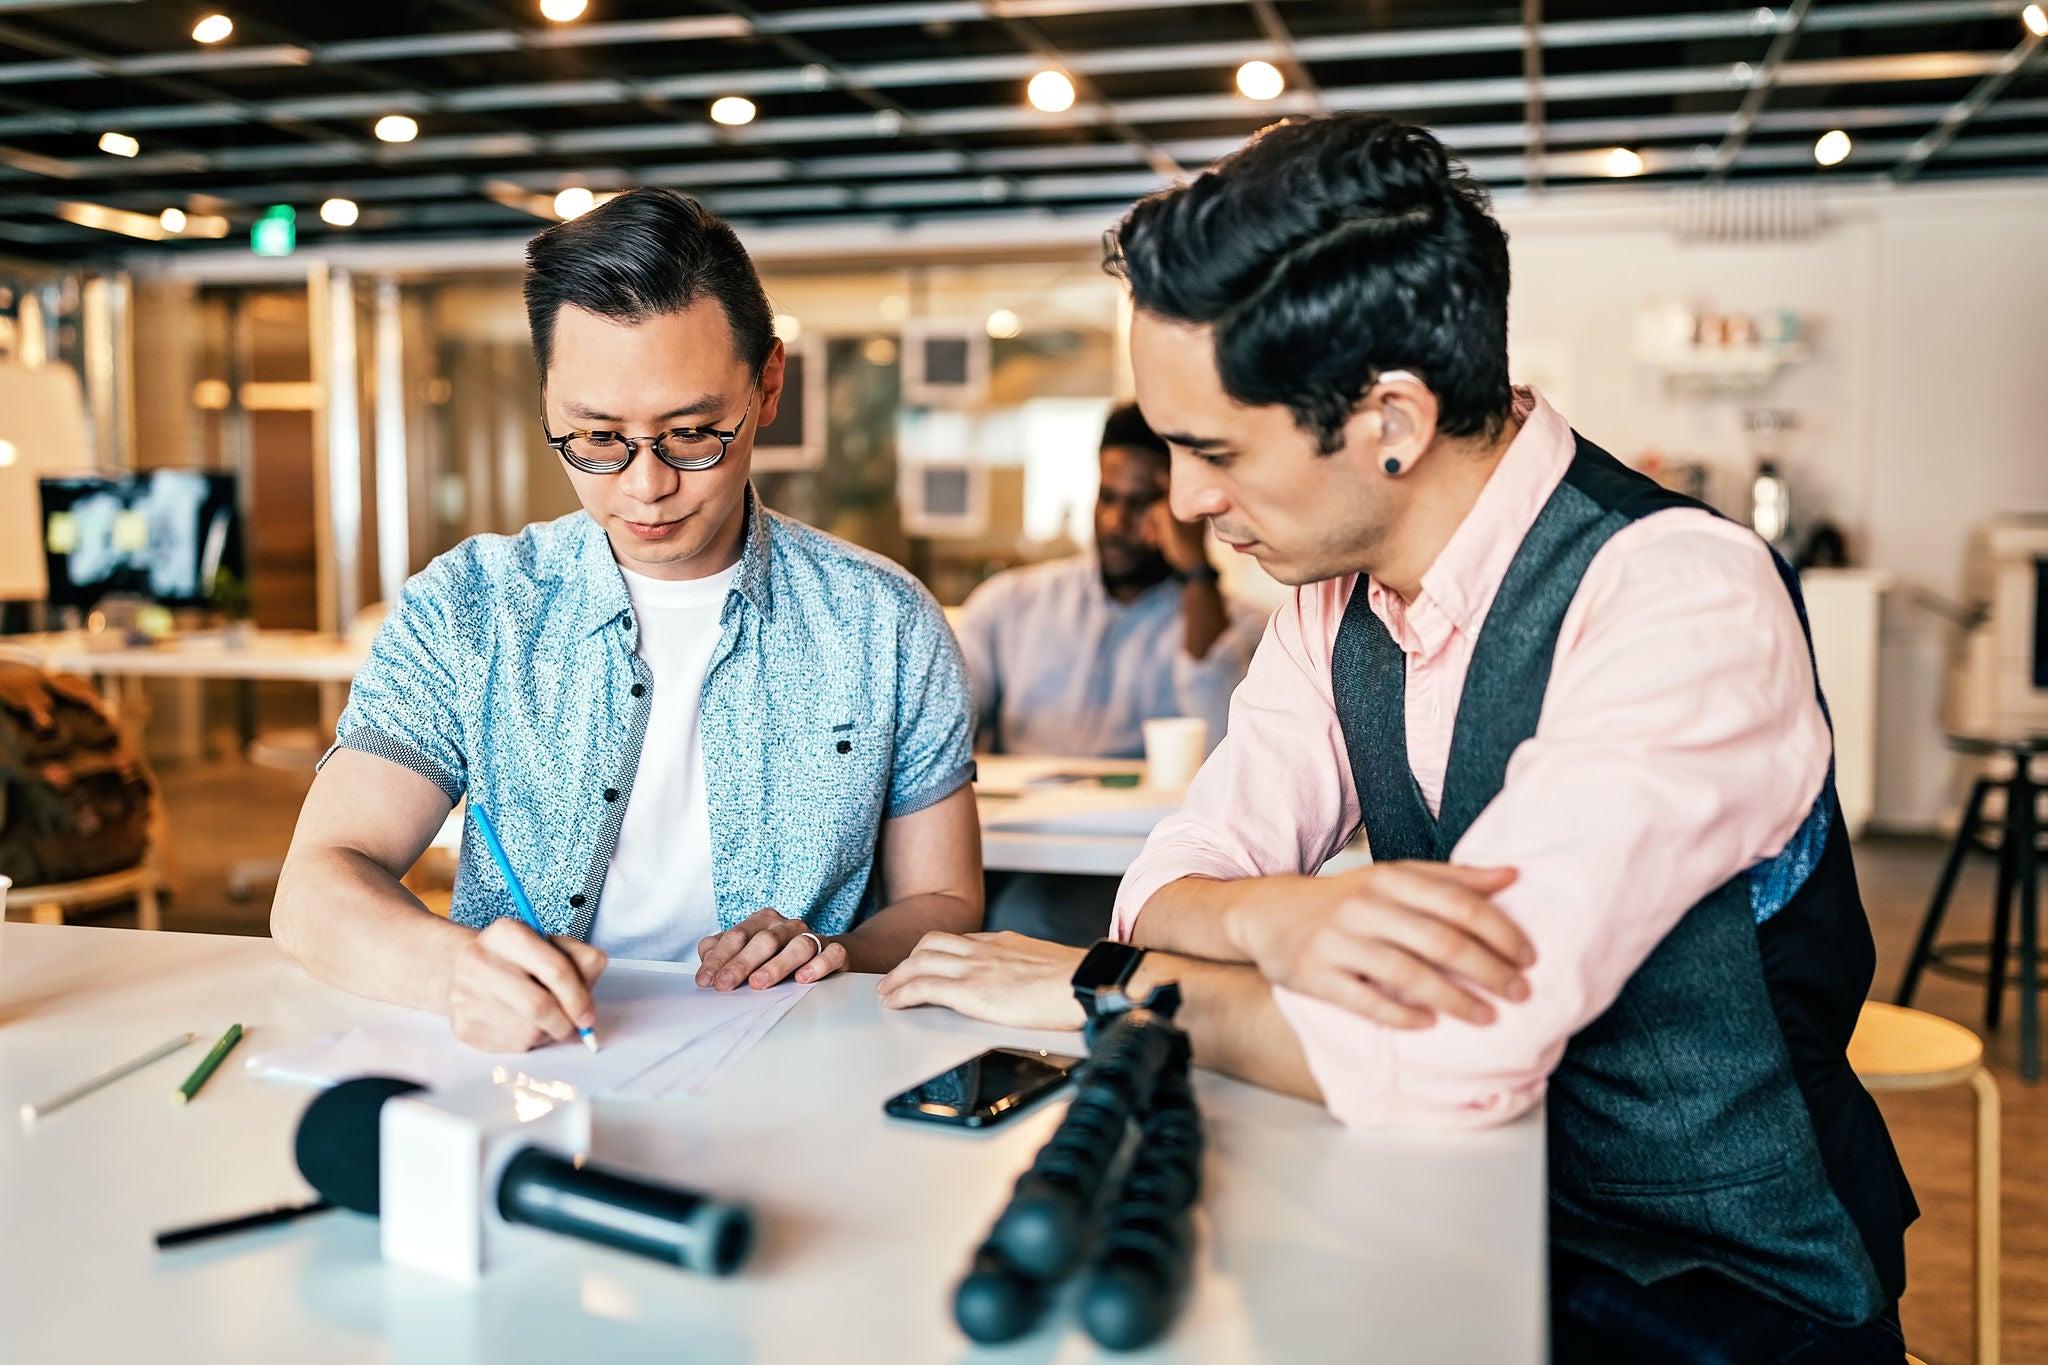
column 1071, row 657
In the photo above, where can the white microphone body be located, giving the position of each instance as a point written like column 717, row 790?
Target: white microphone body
column 441, row 1157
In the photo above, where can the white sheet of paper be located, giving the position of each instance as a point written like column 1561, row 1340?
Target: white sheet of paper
column 691, row 1070
column 647, row 1013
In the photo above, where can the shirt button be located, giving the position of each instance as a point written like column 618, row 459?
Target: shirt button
column 627, row 620
column 638, row 690
column 611, row 793
column 576, row 901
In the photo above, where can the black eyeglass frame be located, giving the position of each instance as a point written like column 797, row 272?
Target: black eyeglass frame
column 687, row 465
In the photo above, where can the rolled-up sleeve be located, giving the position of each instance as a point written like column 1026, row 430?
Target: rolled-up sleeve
column 1275, row 796
column 935, row 713
column 1680, row 743
column 405, row 704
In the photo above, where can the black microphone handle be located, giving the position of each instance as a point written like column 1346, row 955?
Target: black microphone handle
column 620, row 1211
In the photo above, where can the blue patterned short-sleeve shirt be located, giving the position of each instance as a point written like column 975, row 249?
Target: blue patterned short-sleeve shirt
column 835, row 700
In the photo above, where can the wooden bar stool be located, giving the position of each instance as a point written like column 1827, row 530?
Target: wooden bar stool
column 2018, row 871
column 1902, row 1049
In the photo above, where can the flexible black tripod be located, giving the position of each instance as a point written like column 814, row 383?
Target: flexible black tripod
column 1142, row 1241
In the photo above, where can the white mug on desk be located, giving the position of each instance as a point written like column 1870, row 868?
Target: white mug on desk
column 1174, row 750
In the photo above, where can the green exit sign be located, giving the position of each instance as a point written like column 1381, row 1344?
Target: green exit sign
column 276, row 233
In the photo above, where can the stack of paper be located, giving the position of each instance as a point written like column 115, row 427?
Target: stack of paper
column 662, row 1035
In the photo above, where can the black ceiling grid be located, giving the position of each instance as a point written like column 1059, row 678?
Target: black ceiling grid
column 910, row 110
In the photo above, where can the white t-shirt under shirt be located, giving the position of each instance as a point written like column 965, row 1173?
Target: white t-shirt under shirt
column 658, row 900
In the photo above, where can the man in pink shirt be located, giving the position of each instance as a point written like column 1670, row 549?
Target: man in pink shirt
column 1575, row 718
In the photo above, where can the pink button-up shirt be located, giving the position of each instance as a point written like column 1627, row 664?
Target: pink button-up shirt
column 1679, row 743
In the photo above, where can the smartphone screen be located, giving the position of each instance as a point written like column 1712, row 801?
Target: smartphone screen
column 985, row 1089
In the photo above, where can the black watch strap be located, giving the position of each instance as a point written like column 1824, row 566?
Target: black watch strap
column 1108, row 966
column 1205, row 572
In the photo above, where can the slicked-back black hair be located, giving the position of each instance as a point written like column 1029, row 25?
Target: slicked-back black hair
column 1323, row 252
column 647, row 253
column 1127, row 429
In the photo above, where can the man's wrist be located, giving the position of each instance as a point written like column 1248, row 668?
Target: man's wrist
column 1198, row 574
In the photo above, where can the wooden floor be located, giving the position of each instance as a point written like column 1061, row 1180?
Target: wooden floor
column 222, row 812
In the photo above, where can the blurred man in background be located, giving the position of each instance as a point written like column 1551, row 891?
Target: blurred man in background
column 1071, row 657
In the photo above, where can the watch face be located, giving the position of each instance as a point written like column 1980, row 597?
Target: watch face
column 1104, row 965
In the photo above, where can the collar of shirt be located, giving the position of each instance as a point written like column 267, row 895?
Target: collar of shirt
column 604, row 596
column 1458, row 588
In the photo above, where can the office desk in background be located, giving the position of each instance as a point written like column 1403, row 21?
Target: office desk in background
column 264, row 655
column 1316, row 1244
column 1079, row 827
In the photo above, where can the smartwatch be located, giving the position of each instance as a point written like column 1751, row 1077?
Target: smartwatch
column 1108, row 966
column 1205, row 572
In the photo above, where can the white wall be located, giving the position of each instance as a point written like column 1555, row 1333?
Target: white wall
column 1920, row 406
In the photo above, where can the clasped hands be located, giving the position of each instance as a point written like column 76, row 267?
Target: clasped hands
column 1399, row 943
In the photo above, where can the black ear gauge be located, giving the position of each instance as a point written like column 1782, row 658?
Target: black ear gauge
column 1393, row 465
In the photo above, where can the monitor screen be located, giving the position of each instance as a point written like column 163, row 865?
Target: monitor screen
column 164, row 535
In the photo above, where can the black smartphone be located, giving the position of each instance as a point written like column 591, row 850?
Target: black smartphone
column 984, row 1090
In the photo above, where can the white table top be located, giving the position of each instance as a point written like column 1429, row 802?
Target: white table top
column 1029, row 823
column 292, row 655
column 1317, row 1244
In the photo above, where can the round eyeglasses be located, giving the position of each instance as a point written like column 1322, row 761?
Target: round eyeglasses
column 685, row 448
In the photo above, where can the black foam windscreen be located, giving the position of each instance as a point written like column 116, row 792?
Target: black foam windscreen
column 337, row 1140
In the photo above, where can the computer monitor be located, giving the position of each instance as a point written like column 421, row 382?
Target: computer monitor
column 164, row 535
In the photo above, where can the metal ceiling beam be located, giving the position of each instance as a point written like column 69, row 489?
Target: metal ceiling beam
column 1759, row 92
column 1359, row 46
column 1401, row 98
column 1288, row 50
column 465, row 199
column 1106, row 111
column 1966, row 109
column 990, row 67
column 744, row 202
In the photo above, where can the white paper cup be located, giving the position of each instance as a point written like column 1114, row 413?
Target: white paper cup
column 5, row 884
column 1174, row 750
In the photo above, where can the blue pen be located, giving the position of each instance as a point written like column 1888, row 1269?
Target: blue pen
column 519, row 901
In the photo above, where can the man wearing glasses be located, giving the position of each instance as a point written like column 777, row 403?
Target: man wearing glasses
column 701, row 729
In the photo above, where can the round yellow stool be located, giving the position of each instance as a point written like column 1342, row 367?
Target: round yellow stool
column 1902, row 1049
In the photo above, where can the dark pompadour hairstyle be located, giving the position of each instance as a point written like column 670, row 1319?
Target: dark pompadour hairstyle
column 646, row 253
column 1128, row 430
column 1322, row 252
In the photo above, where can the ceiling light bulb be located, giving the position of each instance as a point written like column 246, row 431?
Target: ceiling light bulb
column 173, row 220
column 1260, row 80
column 787, row 327
column 2036, row 20
column 119, row 144
column 574, row 202
column 9, row 453
column 1003, row 324
column 1621, row 161
column 1050, row 92
column 212, row 29
column 1832, row 149
column 732, row 111
column 339, row 213
column 562, row 11
column 396, row 128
